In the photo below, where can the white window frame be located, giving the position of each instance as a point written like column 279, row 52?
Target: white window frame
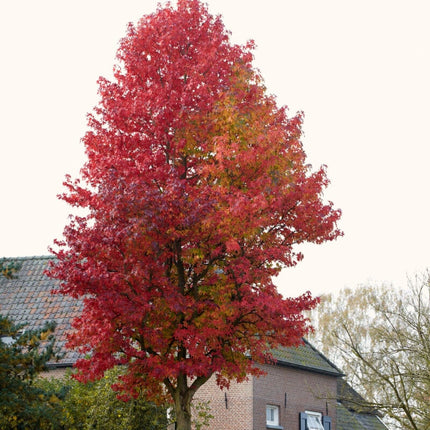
column 275, row 410
column 315, row 416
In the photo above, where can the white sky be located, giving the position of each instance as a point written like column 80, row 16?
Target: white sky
column 360, row 70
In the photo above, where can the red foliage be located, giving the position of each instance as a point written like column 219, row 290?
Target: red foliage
column 197, row 189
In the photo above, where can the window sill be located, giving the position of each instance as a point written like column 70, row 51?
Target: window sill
column 269, row 426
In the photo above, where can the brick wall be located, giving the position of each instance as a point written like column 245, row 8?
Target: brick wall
column 55, row 373
column 246, row 402
column 237, row 413
column 305, row 391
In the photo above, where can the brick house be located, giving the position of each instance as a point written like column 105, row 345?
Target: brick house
column 302, row 383
column 302, row 391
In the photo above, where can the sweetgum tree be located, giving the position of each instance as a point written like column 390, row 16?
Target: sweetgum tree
column 197, row 189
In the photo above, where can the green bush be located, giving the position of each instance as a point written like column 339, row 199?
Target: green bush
column 95, row 406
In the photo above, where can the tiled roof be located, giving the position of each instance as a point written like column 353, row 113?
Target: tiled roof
column 348, row 419
column 353, row 412
column 305, row 356
column 27, row 299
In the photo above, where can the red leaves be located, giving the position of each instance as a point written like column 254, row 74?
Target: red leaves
column 232, row 246
column 197, row 189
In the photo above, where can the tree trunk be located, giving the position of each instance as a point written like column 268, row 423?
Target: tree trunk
column 183, row 411
column 182, row 396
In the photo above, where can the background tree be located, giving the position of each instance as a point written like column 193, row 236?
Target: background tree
column 8, row 268
column 94, row 406
column 23, row 355
column 380, row 337
column 197, row 189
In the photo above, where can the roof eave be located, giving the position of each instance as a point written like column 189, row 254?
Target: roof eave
column 337, row 374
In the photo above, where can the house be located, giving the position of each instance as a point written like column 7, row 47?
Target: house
column 300, row 387
column 303, row 390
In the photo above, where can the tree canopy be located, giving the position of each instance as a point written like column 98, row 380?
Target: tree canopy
column 197, row 190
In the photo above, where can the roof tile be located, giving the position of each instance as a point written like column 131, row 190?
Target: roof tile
column 28, row 299
column 305, row 356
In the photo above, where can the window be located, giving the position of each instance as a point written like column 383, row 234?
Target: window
column 272, row 415
column 314, row 421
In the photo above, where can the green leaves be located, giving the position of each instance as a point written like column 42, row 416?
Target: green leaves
column 22, row 357
column 95, row 406
column 9, row 268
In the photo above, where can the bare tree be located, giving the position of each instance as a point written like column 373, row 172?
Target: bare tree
column 380, row 337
